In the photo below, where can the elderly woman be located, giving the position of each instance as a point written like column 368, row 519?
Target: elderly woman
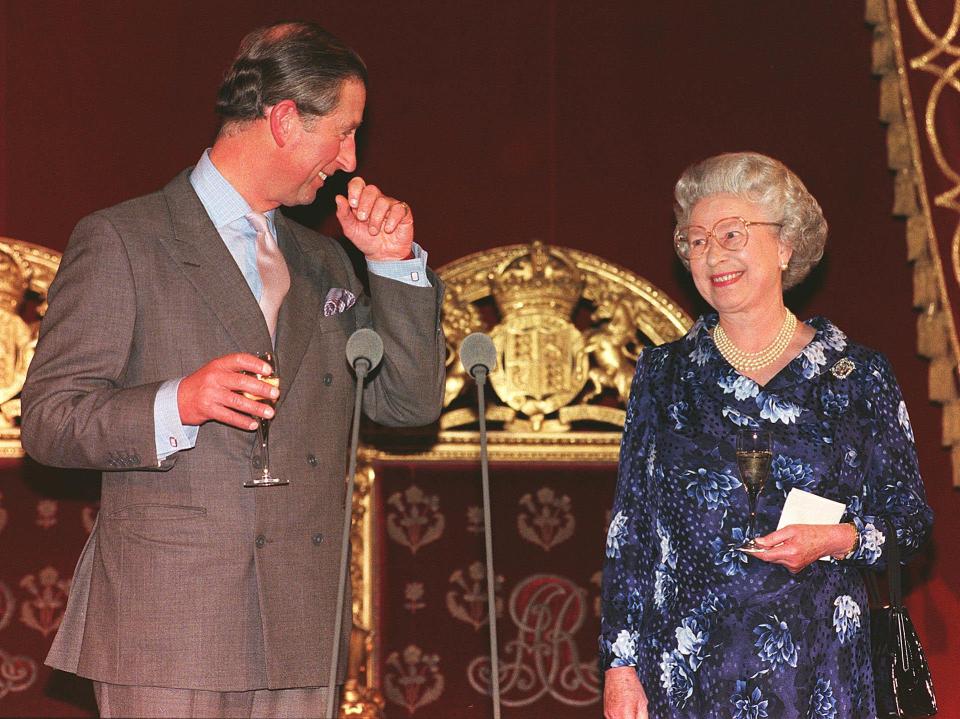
column 693, row 625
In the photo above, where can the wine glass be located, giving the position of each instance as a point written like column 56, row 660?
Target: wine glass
column 260, row 458
column 754, row 457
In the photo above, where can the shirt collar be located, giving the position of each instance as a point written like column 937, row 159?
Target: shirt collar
column 219, row 198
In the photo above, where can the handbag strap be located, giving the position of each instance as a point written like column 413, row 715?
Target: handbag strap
column 893, row 568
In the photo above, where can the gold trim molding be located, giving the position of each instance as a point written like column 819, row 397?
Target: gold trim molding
column 936, row 330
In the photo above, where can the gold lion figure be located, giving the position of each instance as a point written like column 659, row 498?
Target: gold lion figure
column 615, row 349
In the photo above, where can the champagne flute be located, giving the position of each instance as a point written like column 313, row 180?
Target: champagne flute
column 260, row 458
column 754, row 457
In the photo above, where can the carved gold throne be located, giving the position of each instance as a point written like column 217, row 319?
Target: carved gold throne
column 568, row 327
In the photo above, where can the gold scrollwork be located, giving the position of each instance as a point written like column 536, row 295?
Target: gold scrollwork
column 937, row 336
column 26, row 271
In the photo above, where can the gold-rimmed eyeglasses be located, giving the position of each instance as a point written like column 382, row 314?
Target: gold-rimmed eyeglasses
column 731, row 233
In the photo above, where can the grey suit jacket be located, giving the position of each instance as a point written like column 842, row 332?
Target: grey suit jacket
column 189, row 579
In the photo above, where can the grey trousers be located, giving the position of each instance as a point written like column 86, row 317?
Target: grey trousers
column 118, row 700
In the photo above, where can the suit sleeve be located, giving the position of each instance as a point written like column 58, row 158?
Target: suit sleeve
column 407, row 387
column 77, row 410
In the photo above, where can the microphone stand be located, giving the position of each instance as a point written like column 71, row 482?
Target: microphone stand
column 361, row 367
column 479, row 373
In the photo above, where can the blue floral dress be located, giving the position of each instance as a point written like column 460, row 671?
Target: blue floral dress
column 714, row 632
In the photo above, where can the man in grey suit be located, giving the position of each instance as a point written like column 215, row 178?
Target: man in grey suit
column 196, row 595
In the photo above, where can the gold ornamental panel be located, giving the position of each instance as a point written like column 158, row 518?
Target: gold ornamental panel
column 916, row 52
column 568, row 327
column 26, row 271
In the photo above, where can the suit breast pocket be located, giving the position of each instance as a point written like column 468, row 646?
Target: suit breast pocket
column 342, row 322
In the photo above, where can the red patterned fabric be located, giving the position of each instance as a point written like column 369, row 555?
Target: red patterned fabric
column 549, row 531
column 45, row 518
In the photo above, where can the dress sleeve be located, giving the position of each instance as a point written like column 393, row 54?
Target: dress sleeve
column 893, row 497
column 628, row 570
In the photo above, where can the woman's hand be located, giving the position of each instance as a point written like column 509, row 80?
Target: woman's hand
column 797, row 545
column 623, row 695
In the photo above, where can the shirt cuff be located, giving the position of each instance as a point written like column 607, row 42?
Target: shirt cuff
column 169, row 434
column 410, row 272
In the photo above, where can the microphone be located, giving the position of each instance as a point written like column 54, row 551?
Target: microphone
column 364, row 352
column 478, row 355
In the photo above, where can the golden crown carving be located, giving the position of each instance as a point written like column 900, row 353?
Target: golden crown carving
column 541, row 280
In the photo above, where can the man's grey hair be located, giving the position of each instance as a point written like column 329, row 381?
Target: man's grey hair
column 772, row 185
column 298, row 61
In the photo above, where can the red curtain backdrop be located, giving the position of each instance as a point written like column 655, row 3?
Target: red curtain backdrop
column 499, row 123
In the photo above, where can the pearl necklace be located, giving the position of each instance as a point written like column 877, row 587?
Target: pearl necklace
column 750, row 361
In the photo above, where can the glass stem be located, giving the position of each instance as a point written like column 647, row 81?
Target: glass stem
column 264, row 435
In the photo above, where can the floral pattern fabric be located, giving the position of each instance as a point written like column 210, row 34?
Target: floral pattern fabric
column 712, row 631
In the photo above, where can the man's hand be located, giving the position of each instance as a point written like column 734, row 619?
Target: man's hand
column 798, row 545
column 623, row 695
column 213, row 392
column 381, row 227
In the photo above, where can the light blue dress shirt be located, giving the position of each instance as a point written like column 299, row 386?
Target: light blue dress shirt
column 227, row 210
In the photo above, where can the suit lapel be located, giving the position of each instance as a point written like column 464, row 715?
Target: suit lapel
column 211, row 269
column 301, row 307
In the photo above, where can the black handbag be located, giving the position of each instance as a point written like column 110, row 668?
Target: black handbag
column 901, row 677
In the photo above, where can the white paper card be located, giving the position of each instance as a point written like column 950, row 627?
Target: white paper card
column 807, row 508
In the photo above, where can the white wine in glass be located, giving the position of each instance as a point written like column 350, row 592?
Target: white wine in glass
column 260, row 459
column 754, row 457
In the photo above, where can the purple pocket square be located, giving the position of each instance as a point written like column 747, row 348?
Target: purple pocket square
column 338, row 300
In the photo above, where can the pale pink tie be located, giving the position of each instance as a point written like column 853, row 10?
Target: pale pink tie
column 273, row 271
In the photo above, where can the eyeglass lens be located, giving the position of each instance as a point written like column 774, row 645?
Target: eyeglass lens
column 730, row 233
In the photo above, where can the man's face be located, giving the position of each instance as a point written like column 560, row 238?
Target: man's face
column 319, row 146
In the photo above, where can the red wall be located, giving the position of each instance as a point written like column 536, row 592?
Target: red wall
column 502, row 122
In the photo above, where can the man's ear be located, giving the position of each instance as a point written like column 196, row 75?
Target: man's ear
column 283, row 118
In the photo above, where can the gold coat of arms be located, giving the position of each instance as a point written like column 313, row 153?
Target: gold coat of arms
column 568, row 327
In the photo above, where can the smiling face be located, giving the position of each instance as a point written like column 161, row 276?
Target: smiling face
column 744, row 280
column 317, row 147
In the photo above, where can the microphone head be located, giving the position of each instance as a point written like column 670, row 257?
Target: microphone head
column 365, row 344
column 478, row 350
